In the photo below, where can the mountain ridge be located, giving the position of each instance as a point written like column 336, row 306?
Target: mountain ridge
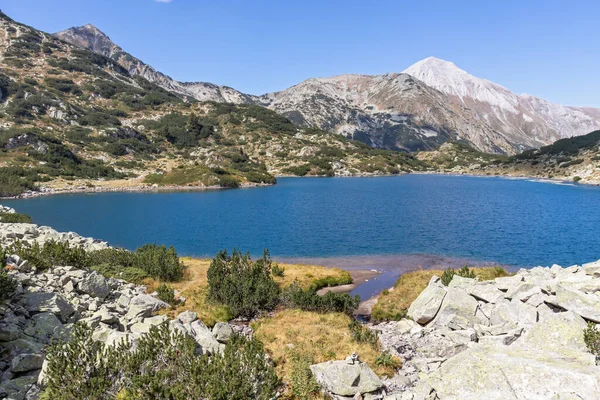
column 452, row 104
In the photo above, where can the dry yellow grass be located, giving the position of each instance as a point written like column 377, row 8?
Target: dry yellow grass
column 393, row 303
column 320, row 337
column 307, row 274
column 194, row 286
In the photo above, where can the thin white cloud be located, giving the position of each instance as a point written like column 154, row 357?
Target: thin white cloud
column 163, row 1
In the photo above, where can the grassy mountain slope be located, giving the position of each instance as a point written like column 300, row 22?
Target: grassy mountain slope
column 573, row 159
column 70, row 118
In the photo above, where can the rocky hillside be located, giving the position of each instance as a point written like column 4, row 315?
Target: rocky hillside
column 76, row 120
column 90, row 37
column 392, row 111
column 573, row 159
column 525, row 120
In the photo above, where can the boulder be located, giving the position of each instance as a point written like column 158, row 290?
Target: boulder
column 147, row 301
column 583, row 304
column 203, row 336
column 144, row 326
column 44, row 327
column 26, row 362
column 49, row 302
column 344, row 378
column 95, row 285
column 508, row 373
column 457, row 303
column 222, row 331
column 485, row 292
column 427, row 305
column 187, row 317
column 138, row 312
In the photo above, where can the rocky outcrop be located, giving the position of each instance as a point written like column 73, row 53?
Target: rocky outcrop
column 346, row 378
column 518, row 337
column 31, row 234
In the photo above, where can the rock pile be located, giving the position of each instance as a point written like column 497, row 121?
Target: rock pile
column 517, row 337
column 46, row 304
column 31, row 233
column 6, row 210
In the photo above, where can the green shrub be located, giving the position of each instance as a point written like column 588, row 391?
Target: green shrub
column 15, row 218
column 309, row 300
column 362, row 334
column 245, row 286
column 166, row 294
column 591, row 337
column 261, row 177
column 576, row 178
column 385, row 359
column 278, row 271
column 163, row 365
column 149, row 260
column 227, row 181
column 51, row 254
column 7, row 283
column 464, row 272
column 302, row 382
column 159, row 262
column 130, row 274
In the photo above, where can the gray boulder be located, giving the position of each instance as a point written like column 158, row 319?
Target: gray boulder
column 583, row 304
column 427, row 305
column 344, row 378
column 44, row 327
column 457, row 303
column 27, row 362
column 49, row 302
column 222, row 331
column 95, row 285
column 147, row 301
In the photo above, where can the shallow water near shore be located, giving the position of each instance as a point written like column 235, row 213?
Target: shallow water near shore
column 392, row 224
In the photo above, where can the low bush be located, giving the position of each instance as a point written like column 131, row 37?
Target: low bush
column 50, row 254
column 166, row 294
column 15, row 218
column 150, row 260
column 362, row 334
column 159, row 262
column 7, row 283
column 245, row 286
column 464, row 272
column 163, row 365
column 278, row 271
column 591, row 337
column 309, row 300
column 303, row 384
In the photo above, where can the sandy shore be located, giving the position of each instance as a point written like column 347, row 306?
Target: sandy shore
column 126, row 189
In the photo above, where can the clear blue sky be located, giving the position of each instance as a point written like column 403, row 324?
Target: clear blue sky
column 549, row 48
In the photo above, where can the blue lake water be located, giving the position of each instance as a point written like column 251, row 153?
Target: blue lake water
column 385, row 220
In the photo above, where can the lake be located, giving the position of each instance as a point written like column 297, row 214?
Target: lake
column 387, row 223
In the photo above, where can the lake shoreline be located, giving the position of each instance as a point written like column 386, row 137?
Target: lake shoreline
column 180, row 188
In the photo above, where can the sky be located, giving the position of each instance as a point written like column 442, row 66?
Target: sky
column 550, row 49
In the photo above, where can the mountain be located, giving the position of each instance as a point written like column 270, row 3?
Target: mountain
column 430, row 103
column 90, row 37
column 393, row 111
column 72, row 119
column 523, row 119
